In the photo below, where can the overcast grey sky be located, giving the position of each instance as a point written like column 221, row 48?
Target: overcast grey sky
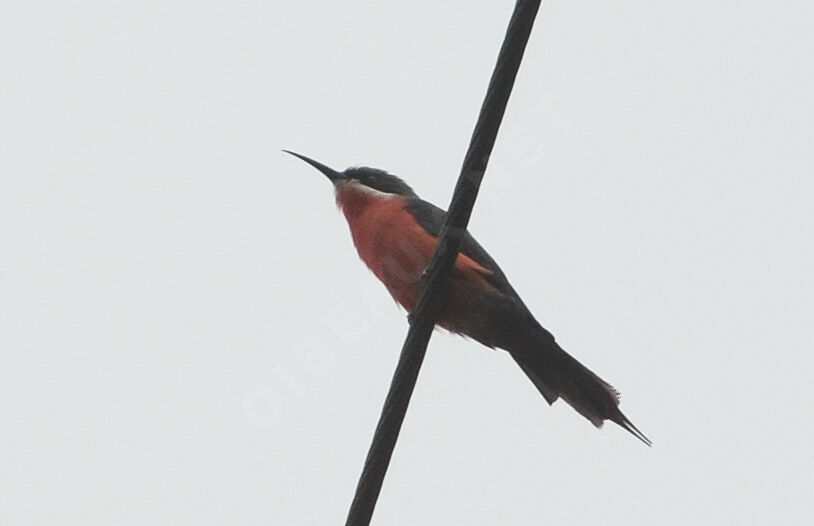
column 188, row 336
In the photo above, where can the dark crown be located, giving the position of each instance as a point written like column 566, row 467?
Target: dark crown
column 379, row 180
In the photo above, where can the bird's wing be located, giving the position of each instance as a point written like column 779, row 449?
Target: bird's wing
column 554, row 372
column 431, row 218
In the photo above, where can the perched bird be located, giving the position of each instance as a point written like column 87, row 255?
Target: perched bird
column 396, row 232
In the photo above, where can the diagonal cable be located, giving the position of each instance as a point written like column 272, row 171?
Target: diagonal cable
column 436, row 282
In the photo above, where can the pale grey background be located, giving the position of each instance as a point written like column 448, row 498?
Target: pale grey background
column 187, row 334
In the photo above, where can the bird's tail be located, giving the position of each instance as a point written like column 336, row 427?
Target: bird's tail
column 557, row 374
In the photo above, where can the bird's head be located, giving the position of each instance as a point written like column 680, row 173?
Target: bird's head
column 361, row 179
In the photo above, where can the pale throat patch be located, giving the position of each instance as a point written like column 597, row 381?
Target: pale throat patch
column 356, row 186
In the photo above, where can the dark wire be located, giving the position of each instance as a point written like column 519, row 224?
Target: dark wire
column 436, row 282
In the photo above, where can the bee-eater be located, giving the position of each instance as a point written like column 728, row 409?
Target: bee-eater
column 396, row 233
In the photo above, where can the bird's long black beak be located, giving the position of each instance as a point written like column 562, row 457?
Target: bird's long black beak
column 330, row 173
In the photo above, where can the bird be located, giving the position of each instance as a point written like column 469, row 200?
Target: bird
column 396, row 232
